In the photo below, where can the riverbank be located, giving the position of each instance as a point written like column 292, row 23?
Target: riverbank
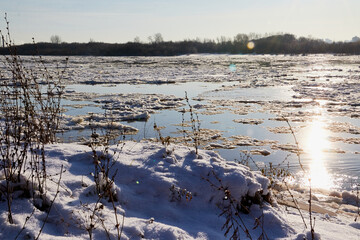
column 166, row 192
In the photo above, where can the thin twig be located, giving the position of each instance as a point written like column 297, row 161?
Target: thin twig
column 51, row 204
column 26, row 220
column 298, row 152
column 295, row 202
column 312, row 224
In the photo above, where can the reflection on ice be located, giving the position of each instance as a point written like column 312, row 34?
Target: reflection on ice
column 317, row 142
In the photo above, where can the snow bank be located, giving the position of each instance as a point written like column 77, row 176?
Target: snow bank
column 163, row 193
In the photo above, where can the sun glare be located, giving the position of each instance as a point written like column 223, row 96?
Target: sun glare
column 250, row 45
column 315, row 145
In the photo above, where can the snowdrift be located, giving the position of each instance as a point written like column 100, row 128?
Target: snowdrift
column 163, row 193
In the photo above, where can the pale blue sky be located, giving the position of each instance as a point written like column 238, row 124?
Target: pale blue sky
column 123, row 20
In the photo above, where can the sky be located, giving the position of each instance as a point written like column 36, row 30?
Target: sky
column 119, row 21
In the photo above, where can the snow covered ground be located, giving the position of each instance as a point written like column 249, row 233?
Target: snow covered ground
column 166, row 193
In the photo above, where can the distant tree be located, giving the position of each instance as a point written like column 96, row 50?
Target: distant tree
column 355, row 39
column 287, row 37
column 158, row 38
column 254, row 36
column 222, row 39
column 273, row 44
column 55, row 39
column 208, row 40
column 241, row 38
column 150, row 39
column 137, row 40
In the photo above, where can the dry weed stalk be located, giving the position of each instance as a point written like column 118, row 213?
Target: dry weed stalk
column 357, row 202
column 177, row 193
column 232, row 208
column 195, row 126
column 51, row 203
column 104, row 175
column 30, row 113
column 298, row 153
column 165, row 141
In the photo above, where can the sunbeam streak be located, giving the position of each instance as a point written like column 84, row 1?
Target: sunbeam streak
column 316, row 144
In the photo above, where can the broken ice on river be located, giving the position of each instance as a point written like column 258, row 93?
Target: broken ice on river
column 242, row 103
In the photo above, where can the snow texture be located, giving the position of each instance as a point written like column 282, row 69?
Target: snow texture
column 162, row 194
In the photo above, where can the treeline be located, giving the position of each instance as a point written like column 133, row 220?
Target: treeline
column 276, row 44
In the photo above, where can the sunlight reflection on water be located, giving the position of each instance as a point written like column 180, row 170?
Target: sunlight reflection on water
column 317, row 142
